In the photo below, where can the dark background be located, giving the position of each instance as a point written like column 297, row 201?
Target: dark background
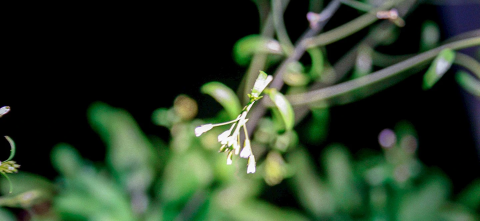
column 58, row 59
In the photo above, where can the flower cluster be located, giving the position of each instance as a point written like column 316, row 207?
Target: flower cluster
column 230, row 139
column 9, row 167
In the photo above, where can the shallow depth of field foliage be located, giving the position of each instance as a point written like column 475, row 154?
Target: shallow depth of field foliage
column 220, row 168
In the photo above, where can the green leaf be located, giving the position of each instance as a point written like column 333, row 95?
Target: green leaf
column 317, row 59
column 251, row 44
column 363, row 65
column 317, row 128
column 164, row 117
column 130, row 152
column 6, row 215
column 438, row 68
column 468, row 82
column 262, row 211
column 9, row 182
column 66, row 160
column 184, row 174
column 337, row 161
column 225, row 96
column 469, row 197
column 12, row 148
column 260, row 84
column 29, row 189
column 310, row 190
column 284, row 108
column 294, row 76
column 25, row 181
column 426, row 202
column 430, row 36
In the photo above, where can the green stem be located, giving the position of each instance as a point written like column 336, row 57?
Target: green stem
column 381, row 76
column 278, row 23
column 9, row 182
column 468, row 63
column 385, row 60
column 12, row 147
column 358, row 5
column 468, row 82
column 348, row 28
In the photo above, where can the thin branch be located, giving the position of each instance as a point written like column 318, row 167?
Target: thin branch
column 279, row 24
column 358, row 5
column 380, row 76
column 347, row 29
column 468, row 62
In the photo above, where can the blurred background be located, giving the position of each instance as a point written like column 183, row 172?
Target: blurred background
column 59, row 59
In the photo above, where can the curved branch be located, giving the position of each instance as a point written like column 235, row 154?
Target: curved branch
column 346, row 29
column 468, row 62
column 280, row 30
column 381, row 76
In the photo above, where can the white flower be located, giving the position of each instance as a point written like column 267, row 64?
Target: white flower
column 247, row 150
column 251, row 164
column 229, row 158
column 202, row 129
column 223, row 137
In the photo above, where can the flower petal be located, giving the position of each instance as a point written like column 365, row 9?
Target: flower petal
column 247, row 150
column 202, row 129
column 251, row 164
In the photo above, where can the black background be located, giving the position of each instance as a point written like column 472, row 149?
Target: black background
column 58, row 59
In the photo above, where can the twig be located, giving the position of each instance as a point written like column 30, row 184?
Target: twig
column 280, row 30
column 346, row 29
column 468, row 62
column 324, row 94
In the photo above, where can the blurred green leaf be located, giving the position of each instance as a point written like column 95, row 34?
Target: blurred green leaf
column 363, row 64
column 295, row 76
column 262, row 211
column 6, row 215
column 317, row 60
column 310, row 190
column 426, row 202
column 284, row 108
column 403, row 129
column 129, row 152
column 225, row 96
column 430, row 35
column 336, row 160
column 231, row 194
column 184, row 174
column 12, row 148
column 316, row 130
column 251, row 44
column 92, row 195
column 29, row 190
column 468, row 82
column 470, row 196
column 164, row 117
column 86, row 193
column 438, row 68
column 25, row 181
column 456, row 212
column 66, row 160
